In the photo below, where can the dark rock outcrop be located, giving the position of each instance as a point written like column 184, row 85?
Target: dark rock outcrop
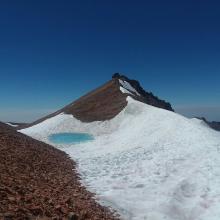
column 215, row 125
column 147, row 97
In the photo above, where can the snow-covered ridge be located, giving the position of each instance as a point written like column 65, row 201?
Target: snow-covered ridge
column 127, row 87
column 147, row 163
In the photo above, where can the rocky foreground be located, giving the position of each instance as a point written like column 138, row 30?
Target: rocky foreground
column 38, row 181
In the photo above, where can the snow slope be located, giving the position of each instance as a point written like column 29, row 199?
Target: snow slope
column 147, row 163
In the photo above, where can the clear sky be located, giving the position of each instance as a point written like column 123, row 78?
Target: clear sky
column 52, row 52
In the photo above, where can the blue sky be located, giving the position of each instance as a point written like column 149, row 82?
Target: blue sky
column 52, row 52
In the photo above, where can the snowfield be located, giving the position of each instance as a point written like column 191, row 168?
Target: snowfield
column 147, row 163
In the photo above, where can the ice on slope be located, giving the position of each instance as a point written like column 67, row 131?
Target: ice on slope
column 147, row 163
column 127, row 87
column 123, row 90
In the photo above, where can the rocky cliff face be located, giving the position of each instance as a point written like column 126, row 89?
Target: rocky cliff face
column 146, row 97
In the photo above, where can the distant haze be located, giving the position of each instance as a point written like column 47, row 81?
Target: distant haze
column 22, row 115
column 211, row 113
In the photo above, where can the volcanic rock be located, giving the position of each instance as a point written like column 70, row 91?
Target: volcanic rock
column 146, row 97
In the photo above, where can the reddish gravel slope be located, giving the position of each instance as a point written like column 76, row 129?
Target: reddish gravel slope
column 38, row 181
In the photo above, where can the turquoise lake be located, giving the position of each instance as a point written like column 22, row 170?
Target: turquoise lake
column 70, row 138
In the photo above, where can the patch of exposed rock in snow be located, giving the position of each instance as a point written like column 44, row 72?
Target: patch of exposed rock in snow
column 127, row 86
column 147, row 163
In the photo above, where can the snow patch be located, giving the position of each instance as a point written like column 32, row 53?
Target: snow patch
column 12, row 125
column 123, row 90
column 126, row 85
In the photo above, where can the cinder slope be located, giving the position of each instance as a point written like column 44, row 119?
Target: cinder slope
column 38, row 181
column 99, row 105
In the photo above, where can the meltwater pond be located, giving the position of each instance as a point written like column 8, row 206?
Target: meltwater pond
column 70, row 138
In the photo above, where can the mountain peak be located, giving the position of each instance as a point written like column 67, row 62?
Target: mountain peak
column 108, row 100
